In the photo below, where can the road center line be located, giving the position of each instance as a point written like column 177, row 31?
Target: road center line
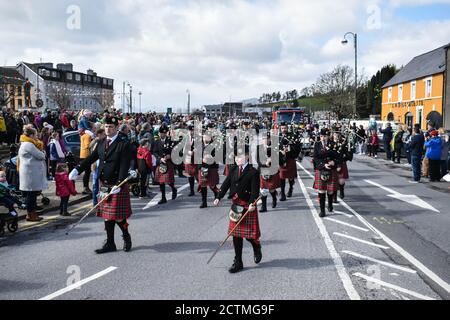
column 360, row 240
column 391, row 265
column 156, row 199
column 392, row 286
column 347, row 224
column 78, row 284
column 417, row 264
column 342, row 272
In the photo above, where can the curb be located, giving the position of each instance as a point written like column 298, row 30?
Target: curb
column 50, row 209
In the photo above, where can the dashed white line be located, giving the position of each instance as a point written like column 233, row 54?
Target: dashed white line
column 342, row 272
column 417, row 264
column 347, row 224
column 360, row 240
column 393, row 286
column 157, row 198
column 78, row 284
column 343, row 214
column 391, row 265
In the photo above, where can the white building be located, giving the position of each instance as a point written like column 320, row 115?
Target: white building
column 61, row 87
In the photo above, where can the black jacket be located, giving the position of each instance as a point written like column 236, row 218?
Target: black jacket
column 114, row 163
column 323, row 156
column 161, row 149
column 246, row 186
column 417, row 144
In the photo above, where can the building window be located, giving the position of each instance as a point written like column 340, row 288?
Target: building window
column 400, row 92
column 390, row 94
column 19, row 91
column 413, row 90
column 105, row 81
column 19, row 103
column 428, row 87
column 78, row 77
column 110, row 82
column 54, row 74
column 69, row 76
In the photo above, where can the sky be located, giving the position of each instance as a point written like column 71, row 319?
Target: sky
column 219, row 50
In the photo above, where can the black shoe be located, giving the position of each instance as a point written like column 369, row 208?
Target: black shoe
column 283, row 197
column 162, row 201
column 274, row 201
column 236, row 267
column 191, row 194
column 66, row 214
column 264, row 205
column 322, row 214
column 127, row 243
column 289, row 195
column 258, row 255
column 87, row 191
column 204, row 205
column 174, row 194
column 107, row 247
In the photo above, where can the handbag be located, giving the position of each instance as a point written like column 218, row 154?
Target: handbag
column 236, row 213
column 163, row 168
column 204, row 172
column 325, row 175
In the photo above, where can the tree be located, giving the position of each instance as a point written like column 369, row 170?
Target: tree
column 374, row 86
column 105, row 99
column 61, row 96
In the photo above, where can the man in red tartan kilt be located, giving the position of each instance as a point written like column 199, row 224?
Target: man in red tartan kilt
column 190, row 168
column 326, row 162
column 290, row 149
column 114, row 154
column 345, row 154
column 244, row 187
column 165, row 170
column 269, row 182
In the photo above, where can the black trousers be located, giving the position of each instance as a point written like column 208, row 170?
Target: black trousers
column 31, row 200
column 64, row 204
column 143, row 182
column 435, row 170
column 86, row 177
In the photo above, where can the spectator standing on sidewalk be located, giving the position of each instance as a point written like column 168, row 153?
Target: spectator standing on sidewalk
column 387, row 138
column 86, row 137
column 32, row 173
column 57, row 154
column 362, row 136
column 434, row 152
column 373, row 144
column 397, row 144
column 100, row 135
column 416, row 149
column 445, row 150
column 64, row 188
column 407, row 143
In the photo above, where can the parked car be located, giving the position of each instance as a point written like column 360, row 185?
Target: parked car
column 72, row 143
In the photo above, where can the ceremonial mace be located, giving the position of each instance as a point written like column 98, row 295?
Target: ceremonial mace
column 264, row 193
column 133, row 175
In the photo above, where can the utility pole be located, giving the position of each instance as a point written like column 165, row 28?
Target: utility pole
column 140, row 102
column 123, row 97
column 189, row 102
column 131, row 99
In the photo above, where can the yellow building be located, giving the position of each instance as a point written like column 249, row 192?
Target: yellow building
column 415, row 95
column 11, row 89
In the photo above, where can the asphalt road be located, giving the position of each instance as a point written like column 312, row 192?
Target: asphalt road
column 374, row 246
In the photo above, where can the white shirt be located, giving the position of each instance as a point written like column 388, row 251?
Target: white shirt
column 244, row 166
column 111, row 140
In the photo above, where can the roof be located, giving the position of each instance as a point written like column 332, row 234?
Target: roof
column 11, row 76
column 427, row 64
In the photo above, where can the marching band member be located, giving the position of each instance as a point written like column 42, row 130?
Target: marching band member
column 290, row 149
column 326, row 162
column 191, row 169
column 243, row 183
column 165, row 171
column 208, row 174
column 114, row 154
column 345, row 154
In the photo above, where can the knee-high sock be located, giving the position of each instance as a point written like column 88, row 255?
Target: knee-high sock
column 204, row 194
column 238, row 245
column 256, row 244
column 162, row 188
column 123, row 225
column 172, row 186
column 283, row 186
column 191, row 183
column 109, row 227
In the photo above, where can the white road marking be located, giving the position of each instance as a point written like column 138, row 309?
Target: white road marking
column 78, row 284
column 360, row 240
column 411, row 199
column 157, row 198
column 391, row 265
column 393, row 286
column 347, row 224
column 417, row 264
column 343, row 214
column 342, row 272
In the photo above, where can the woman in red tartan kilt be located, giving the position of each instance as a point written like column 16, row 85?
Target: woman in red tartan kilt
column 326, row 162
column 165, row 171
column 114, row 154
column 244, row 187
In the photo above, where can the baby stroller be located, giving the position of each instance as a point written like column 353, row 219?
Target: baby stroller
column 12, row 176
column 10, row 219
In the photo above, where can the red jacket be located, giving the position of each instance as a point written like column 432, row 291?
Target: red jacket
column 145, row 154
column 64, row 187
column 374, row 140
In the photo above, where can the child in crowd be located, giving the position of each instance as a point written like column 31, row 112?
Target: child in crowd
column 64, row 187
column 6, row 198
column 145, row 165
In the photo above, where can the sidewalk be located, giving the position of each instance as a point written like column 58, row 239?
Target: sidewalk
column 403, row 169
column 54, row 200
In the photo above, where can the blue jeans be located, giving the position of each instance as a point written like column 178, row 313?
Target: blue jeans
column 95, row 187
column 416, row 162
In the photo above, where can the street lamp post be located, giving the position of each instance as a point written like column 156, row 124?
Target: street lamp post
column 131, row 98
column 189, row 102
column 355, row 41
column 140, row 102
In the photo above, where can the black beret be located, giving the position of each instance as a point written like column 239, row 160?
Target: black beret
column 112, row 120
column 164, row 129
column 324, row 132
